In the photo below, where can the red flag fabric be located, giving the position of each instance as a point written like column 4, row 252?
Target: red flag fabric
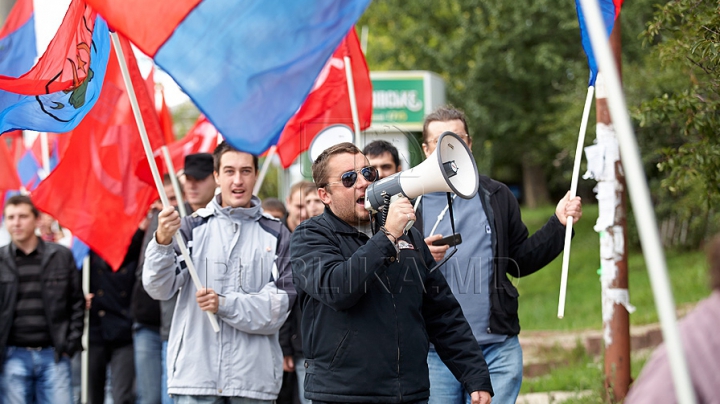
column 64, row 63
column 149, row 22
column 329, row 101
column 9, row 179
column 146, row 99
column 94, row 190
column 201, row 138
column 166, row 121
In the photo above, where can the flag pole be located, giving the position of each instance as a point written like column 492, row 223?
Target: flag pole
column 84, row 354
column 45, row 151
column 573, row 192
column 640, row 197
column 353, row 102
column 264, row 169
column 174, row 180
column 153, row 168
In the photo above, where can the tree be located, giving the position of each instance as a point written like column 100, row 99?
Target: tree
column 680, row 119
column 502, row 62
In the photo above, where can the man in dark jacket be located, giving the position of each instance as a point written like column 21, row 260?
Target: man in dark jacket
column 147, row 342
column 495, row 244
column 41, row 312
column 111, row 339
column 370, row 303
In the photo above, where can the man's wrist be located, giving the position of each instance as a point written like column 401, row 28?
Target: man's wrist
column 389, row 235
column 161, row 239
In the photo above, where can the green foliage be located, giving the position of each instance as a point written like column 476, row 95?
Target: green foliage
column 184, row 117
column 501, row 62
column 678, row 118
column 269, row 187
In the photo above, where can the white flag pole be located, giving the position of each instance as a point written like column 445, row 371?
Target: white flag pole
column 45, row 151
column 84, row 355
column 353, row 103
column 640, row 197
column 573, row 192
column 153, row 168
column 173, row 178
column 264, row 169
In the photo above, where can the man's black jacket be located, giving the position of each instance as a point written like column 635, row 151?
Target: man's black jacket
column 368, row 318
column 63, row 299
column 514, row 253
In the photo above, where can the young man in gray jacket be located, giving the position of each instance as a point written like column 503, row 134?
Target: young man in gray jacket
column 242, row 257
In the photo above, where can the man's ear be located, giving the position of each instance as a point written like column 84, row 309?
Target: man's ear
column 425, row 150
column 324, row 195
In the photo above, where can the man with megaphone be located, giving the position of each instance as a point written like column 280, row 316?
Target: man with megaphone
column 370, row 302
column 495, row 244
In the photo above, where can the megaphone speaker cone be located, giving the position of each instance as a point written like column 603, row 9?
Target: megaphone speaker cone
column 450, row 168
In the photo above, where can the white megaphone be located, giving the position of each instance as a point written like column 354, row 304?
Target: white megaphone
column 450, row 168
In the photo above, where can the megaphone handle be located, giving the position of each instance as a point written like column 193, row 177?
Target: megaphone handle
column 408, row 226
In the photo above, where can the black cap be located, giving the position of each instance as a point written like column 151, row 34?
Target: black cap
column 199, row 165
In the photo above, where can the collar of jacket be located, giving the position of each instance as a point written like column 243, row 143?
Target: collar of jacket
column 338, row 225
column 254, row 212
column 40, row 248
column 488, row 184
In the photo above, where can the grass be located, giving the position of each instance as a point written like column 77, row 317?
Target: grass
column 579, row 371
column 539, row 292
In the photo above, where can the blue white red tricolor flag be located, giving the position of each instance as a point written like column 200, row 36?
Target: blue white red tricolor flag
column 248, row 65
column 610, row 11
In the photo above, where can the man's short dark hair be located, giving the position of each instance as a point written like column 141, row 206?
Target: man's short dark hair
column 378, row 147
column 319, row 167
column 444, row 114
column 225, row 147
column 16, row 200
column 274, row 204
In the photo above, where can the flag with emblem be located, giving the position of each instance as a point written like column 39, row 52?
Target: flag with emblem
column 62, row 87
column 95, row 191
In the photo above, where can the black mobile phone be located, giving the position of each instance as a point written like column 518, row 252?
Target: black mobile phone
column 453, row 240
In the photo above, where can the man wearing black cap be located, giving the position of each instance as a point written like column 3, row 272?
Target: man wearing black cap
column 199, row 184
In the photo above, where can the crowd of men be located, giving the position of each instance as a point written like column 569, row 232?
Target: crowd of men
column 316, row 299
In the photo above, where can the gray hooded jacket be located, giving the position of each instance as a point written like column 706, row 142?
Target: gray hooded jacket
column 242, row 254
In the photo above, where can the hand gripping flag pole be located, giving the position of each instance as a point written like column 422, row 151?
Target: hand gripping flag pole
column 153, row 167
column 643, row 209
column 173, row 178
column 573, row 192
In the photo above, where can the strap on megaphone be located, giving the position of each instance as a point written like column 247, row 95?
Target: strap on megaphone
column 452, row 225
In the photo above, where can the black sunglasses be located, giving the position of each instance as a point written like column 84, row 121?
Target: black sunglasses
column 348, row 179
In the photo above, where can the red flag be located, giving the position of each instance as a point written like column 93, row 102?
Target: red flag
column 166, row 121
column 65, row 62
column 329, row 101
column 9, row 180
column 201, row 138
column 94, row 191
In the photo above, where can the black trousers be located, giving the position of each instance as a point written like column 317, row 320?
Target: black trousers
column 122, row 373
